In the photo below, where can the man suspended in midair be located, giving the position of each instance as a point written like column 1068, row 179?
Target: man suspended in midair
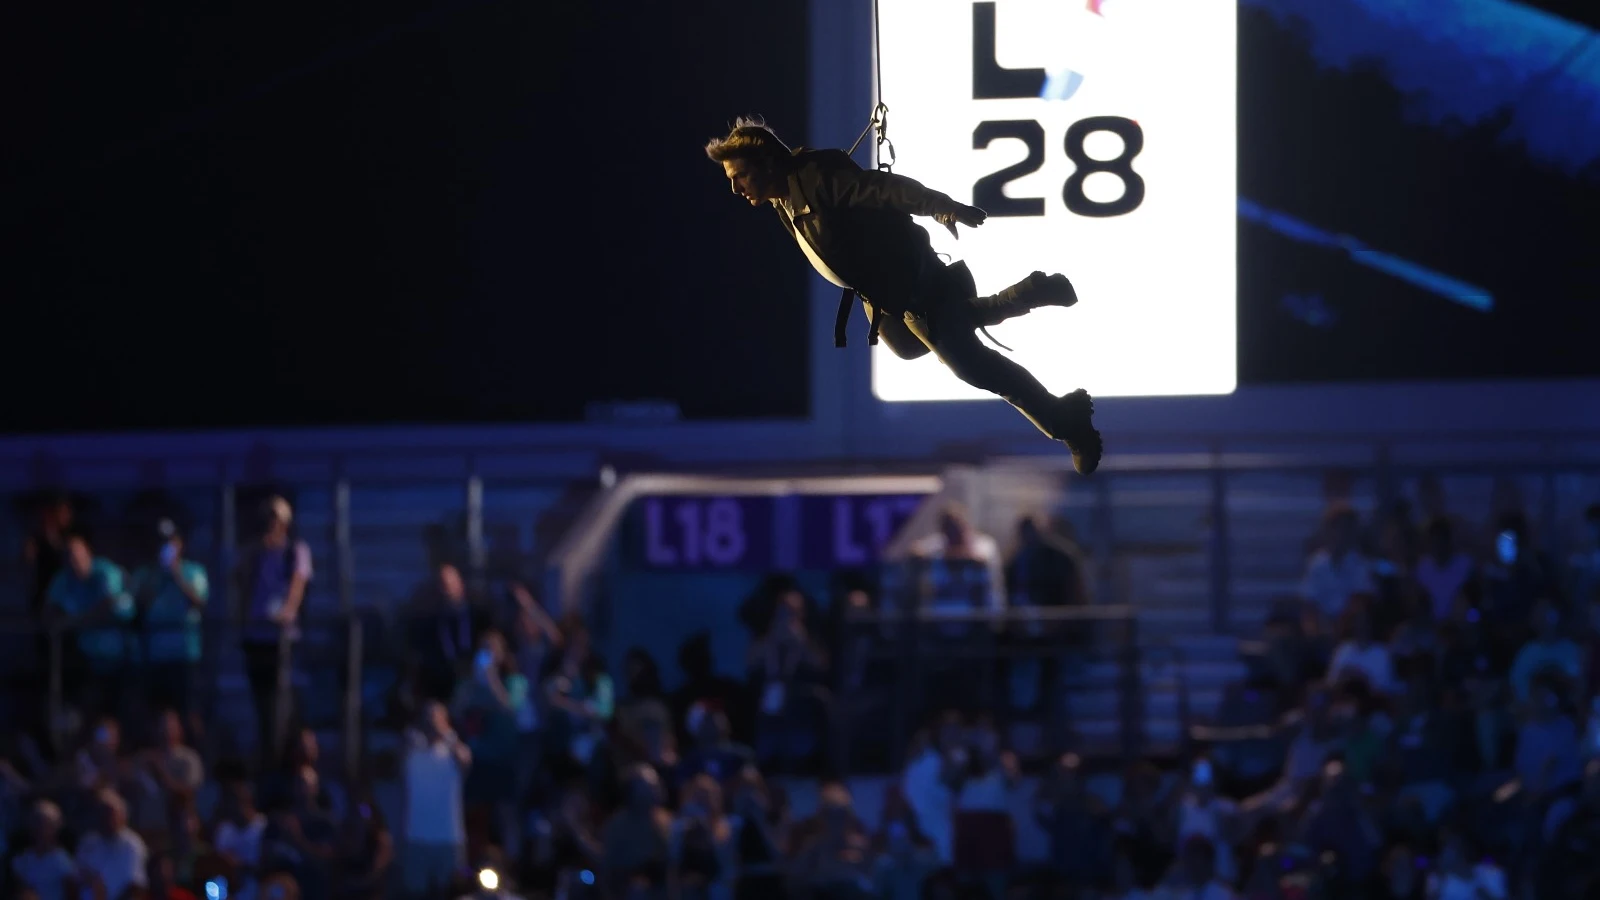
column 856, row 228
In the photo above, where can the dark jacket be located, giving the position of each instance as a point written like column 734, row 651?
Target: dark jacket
column 859, row 224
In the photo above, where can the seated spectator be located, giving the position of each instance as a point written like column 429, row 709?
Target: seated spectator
column 702, row 855
column 713, row 752
column 1517, row 576
column 435, row 768
column 1195, row 874
column 760, row 835
column 835, row 861
column 1461, row 877
column 164, row 881
column 1319, row 734
column 636, row 842
column 787, row 669
column 43, row 865
column 903, row 864
column 1583, row 569
column 702, row 683
column 301, row 839
column 170, row 773
column 1400, row 878
column 1420, row 755
column 1075, row 822
column 1340, row 569
column 643, row 702
column 1204, row 814
column 111, row 857
column 935, row 769
column 563, row 844
column 237, row 837
column 100, row 763
column 366, row 854
column 1547, row 759
column 1571, row 835
column 1361, row 656
column 1549, row 651
column 1444, row 570
column 1339, row 821
column 992, row 771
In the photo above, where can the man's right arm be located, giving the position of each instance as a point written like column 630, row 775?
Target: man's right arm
column 873, row 189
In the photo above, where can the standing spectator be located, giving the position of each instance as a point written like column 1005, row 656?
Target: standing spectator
column 934, row 771
column 1583, row 578
column 88, row 597
column 436, row 764
column 836, row 862
column 112, row 857
column 163, row 878
column 1517, row 576
column 1203, row 813
column 563, row 845
column 172, row 594
column 1444, row 570
column 1340, row 568
column 787, row 669
column 301, row 839
column 445, row 634
column 273, row 575
column 44, row 551
column 490, row 707
column 43, row 865
column 962, row 565
column 636, row 842
column 581, row 701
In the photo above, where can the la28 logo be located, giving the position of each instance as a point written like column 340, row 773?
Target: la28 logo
column 992, row 81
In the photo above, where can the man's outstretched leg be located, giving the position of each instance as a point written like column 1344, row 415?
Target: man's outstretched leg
column 1067, row 419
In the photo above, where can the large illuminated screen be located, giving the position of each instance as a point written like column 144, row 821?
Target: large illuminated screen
column 1100, row 137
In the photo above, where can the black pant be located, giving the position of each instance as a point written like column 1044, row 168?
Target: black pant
column 948, row 327
column 261, row 662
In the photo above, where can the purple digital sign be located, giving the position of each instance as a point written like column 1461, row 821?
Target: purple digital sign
column 757, row 533
column 849, row 530
column 706, row 532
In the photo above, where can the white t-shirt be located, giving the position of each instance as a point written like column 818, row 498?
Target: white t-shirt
column 119, row 860
column 1451, row 887
column 242, row 843
column 932, row 801
column 1329, row 583
column 1205, row 820
column 46, row 873
column 433, row 795
column 1372, row 663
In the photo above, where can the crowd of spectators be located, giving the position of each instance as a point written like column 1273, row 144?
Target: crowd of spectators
column 1416, row 723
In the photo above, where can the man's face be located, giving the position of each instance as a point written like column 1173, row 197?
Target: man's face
column 753, row 180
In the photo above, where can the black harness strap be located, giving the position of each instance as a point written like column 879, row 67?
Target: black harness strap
column 841, row 320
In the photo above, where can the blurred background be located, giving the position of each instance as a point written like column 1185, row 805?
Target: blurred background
column 423, row 480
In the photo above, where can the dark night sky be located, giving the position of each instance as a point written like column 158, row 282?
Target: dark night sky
column 464, row 211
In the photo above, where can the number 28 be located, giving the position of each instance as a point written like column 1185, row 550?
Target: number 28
column 989, row 191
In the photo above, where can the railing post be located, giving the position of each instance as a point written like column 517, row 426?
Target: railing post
column 228, row 545
column 1220, row 548
column 56, row 701
column 354, row 653
column 343, row 552
column 477, row 555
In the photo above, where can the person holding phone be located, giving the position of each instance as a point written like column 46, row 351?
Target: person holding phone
column 1203, row 813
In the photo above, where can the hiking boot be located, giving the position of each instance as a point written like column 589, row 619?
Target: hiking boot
column 1075, row 428
column 1035, row 291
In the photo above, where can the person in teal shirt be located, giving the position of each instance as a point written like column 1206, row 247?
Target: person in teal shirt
column 88, row 599
column 173, row 593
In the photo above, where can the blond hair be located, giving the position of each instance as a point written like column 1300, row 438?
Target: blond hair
column 749, row 138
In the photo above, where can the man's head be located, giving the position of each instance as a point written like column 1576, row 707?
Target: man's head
column 755, row 161
column 277, row 515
